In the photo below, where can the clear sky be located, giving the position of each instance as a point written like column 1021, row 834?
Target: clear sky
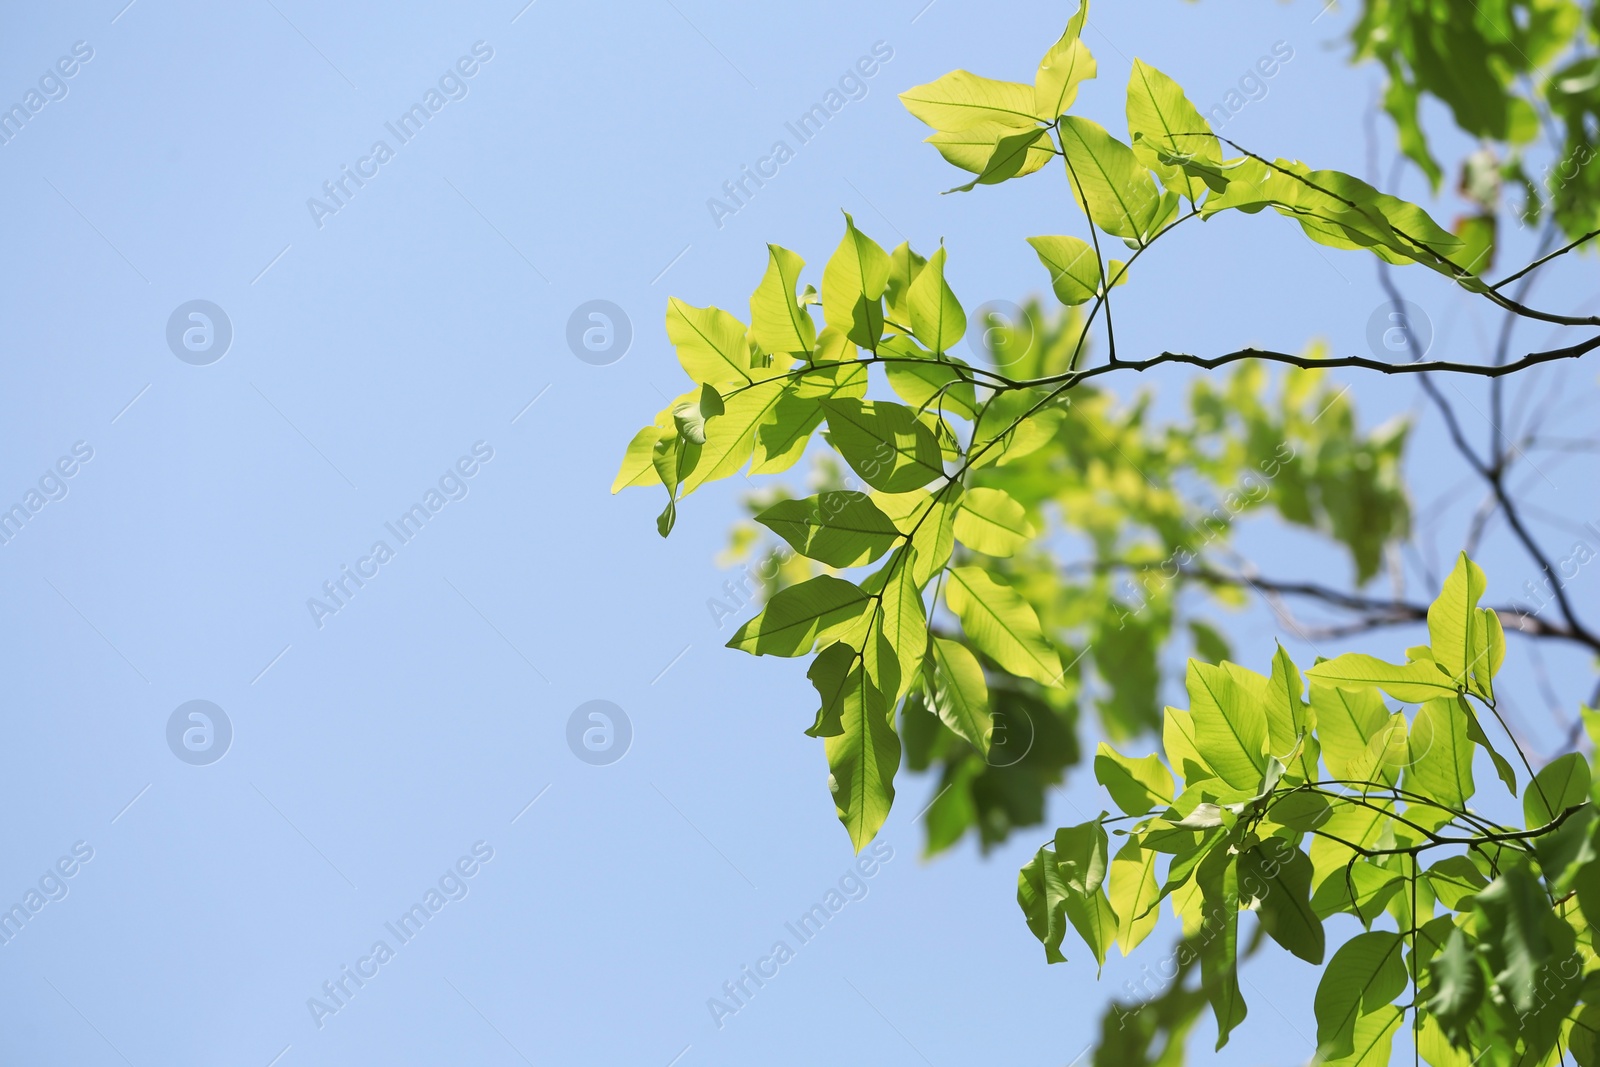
column 410, row 337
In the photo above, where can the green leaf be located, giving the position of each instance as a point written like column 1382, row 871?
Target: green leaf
column 1178, row 742
column 1133, row 893
column 978, row 149
column 904, row 266
column 1016, row 423
column 929, row 520
column 958, row 692
column 830, row 675
column 941, row 385
column 638, row 462
column 1454, row 880
column 1137, row 785
column 1414, row 682
column 1081, row 859
column 1278, row 876
column 902, row 618
column 853, row 284
column 1361, row 889
column 862, row 759
column 1209, row 645
column 1218, row 877
column 1512, row 911
column 1455, row 632
column 1161, row 119
column 1458, row 987
column 1074, row 268
column 777, row 321
column 690, row 416
column 1011, row 154
column 1043, row 899
column 1112, row 187
column 710, row 342
column 1502, row 766
column 731, row 436
column 1001, row 624
column 1364, row 976
column 936, row 315
column 1372, row 1040
column 1066, row 66
column 1562, row 784
column 961, row 100
column 1441, row 750
column 1287, row 724
column 786, row 427
column 841, row 528
column 796, row 617
column 885, row 443
column 1230, row 726
column 991, row 522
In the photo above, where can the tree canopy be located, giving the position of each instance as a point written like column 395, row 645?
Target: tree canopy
column 991, row 548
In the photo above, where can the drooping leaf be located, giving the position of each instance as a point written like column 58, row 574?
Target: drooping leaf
column 959, row 693
column 1458, row 987
column 830, row 675
column 1133, row 893
column 1218, row 878
column 1513, row 908
column 862, row 759
column 1363, row 977
column 1011, row 153
column 1278, row 875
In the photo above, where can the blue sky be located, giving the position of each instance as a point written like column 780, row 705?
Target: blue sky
column 380, row 350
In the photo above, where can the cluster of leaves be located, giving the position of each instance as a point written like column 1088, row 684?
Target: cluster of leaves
column 1150, row 510
column 1506, row 69
column 1298, row 810
column 935, row 459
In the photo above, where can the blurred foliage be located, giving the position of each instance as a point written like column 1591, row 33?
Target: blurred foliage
column 1140, row 507
column 1517, row 76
